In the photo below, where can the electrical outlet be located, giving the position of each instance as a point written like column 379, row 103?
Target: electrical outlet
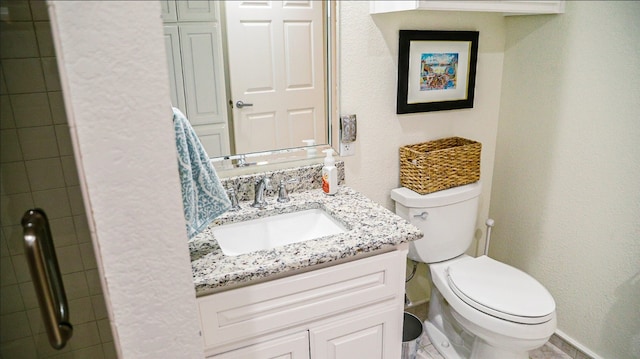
column 347, row 149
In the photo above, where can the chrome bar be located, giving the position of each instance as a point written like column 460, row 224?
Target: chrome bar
column 490, row 223
column 46, row 277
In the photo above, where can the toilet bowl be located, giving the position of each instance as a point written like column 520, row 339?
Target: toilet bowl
column 479, row 307
column 507, row 314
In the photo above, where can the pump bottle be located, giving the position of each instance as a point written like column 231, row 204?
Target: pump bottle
column 329, row 174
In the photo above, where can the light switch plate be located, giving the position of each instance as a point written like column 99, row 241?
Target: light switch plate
column 348, row 128
column 348, row 132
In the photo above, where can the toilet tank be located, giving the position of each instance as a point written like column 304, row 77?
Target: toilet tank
column 447, row 218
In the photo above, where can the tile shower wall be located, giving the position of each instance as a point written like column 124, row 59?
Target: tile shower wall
column 37, row 169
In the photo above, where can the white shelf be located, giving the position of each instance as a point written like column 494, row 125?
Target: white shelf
column 507, row 7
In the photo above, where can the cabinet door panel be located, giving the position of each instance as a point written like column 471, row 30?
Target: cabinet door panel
column 203, row 75
column 168, row 11
column 376, row 335
column 290, row 347
column 197, row 10
column 214, row 138
column 174, row 60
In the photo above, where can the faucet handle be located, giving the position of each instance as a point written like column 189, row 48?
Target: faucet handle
column 283, row 196
column 264, row 180
column 233, row 196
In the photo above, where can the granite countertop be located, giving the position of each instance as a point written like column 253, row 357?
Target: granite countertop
column 371, row 228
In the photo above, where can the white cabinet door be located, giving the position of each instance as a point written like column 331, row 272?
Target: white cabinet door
column 375, row 335
column 294, row 346
column 203, row 73
column 169, row 12
column 204, row 84
column 214, row 138
column 174, row 60
column 196, row 69
column 197, row 10
column 189, row 10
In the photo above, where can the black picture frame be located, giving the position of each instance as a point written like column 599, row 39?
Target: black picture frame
column 443, row 86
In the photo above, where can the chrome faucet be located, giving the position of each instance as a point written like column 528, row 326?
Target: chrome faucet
column 233, row 197
column 261, row 185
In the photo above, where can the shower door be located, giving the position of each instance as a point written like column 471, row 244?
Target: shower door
column 38, row 170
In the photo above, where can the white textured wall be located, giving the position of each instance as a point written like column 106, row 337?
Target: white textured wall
column 566, row 191
column 368, row 71
column 114, row 78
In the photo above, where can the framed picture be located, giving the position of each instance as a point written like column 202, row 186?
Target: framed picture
column 436, row 70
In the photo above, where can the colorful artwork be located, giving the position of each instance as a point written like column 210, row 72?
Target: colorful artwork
column 439, row 71
column 436, row 70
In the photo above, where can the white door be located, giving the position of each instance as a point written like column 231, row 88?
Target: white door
column 174, row 59
column 276, row 63
column 294, row 346
column 376, row 335
column 204, row 85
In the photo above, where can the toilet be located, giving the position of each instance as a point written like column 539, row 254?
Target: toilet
column 479, row 308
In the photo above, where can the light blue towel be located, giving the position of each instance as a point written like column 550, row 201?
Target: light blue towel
column 203, row 196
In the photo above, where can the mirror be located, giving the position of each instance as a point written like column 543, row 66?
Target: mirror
column 253, row 77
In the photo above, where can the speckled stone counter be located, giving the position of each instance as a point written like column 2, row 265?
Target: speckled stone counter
column 371, row 228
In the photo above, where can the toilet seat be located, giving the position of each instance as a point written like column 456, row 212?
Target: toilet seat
column 500, row 290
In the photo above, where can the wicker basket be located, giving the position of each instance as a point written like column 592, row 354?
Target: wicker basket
column 441, row 164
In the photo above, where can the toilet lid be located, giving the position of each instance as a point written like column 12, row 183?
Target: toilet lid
column 501, row 291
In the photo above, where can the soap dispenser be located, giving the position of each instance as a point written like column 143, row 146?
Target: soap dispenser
column 329, row 174
column 311, row 150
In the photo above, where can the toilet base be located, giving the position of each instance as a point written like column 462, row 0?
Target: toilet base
column 480, row 349
column 450, row 338
column 440, row 342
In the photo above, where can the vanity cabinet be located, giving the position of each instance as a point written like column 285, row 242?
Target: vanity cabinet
column 349, row 310
column 507, row 7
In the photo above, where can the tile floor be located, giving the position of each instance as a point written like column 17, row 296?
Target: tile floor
column 428, row 351
column 548, row 351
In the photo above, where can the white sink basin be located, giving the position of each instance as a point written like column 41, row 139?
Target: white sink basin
column 270, row 232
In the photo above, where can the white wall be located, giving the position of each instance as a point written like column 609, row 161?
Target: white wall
column 566, row 194
column 114, row 79
column 368, row 71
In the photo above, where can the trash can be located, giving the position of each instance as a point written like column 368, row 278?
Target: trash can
column 411, row 332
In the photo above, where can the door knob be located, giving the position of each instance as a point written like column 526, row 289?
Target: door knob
column 241, row 104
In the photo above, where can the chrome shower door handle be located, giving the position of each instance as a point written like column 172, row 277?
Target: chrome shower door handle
column 241, row 104
column 45, row 273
